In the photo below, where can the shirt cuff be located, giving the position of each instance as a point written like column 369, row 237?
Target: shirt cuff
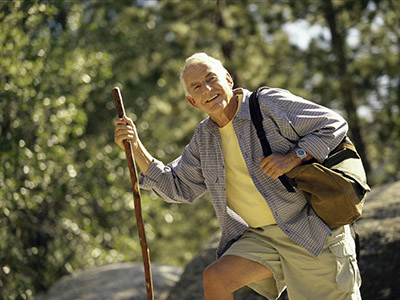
column 315, row 146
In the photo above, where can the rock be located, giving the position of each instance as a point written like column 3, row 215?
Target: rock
column 121, row 281
column 190, row 286
column 379, row 230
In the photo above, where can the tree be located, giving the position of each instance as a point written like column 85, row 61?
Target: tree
column 45, row 82
column 346, row 66
column 347, row 90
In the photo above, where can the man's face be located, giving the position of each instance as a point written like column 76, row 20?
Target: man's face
column 210, row 88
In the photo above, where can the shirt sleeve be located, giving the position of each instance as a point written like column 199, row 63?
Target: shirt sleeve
column 178, row 181
column 319, row 129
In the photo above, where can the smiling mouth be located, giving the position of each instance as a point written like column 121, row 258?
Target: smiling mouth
column 211, row 99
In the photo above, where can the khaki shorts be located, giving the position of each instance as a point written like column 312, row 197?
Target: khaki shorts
column 333, row 274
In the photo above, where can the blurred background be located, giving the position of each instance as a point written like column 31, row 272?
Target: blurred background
column 65, row 196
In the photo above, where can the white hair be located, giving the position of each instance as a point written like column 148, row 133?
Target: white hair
column 200, row 58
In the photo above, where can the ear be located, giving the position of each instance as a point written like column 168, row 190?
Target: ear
column 229, row 79
column 191, row 101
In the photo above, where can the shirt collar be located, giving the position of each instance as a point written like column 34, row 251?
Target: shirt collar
column 244, row 110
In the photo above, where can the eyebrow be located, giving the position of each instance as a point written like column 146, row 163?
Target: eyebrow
column 196, row 82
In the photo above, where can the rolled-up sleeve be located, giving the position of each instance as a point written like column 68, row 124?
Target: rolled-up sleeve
column 320, row 129
column 179, row 181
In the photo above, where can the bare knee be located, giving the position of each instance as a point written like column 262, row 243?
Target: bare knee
column 215, row 276
column 212, row 274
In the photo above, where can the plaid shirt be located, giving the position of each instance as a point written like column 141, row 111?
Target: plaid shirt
column 289, row 122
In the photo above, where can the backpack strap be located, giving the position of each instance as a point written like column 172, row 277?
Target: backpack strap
column 257, row 118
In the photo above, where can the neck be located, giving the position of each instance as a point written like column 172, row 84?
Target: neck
column 228, row 113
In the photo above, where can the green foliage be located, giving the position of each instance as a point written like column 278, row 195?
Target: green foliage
column 45, row 84
column 66, row 200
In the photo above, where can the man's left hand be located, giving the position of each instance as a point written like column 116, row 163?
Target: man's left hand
column 276, row 164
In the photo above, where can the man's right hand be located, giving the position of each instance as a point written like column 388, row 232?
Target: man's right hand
column 125, row 130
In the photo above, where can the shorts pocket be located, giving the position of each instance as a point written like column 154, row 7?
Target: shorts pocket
column 347, row 273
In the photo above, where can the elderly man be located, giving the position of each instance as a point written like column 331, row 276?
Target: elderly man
column 271, row 239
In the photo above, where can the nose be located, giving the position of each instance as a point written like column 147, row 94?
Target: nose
column 207, row 87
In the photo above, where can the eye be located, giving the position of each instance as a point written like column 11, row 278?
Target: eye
column 212, row 78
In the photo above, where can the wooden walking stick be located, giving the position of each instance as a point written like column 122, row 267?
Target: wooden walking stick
column 136, row 198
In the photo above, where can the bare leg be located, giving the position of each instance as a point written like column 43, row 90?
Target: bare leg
column 230, row 273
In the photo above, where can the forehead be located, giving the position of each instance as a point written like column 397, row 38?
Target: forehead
column 199, row 70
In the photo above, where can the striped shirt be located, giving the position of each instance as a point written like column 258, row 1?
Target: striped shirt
column 289, row 122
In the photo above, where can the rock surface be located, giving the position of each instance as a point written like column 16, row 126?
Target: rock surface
column 379, row 229
column 121, row 281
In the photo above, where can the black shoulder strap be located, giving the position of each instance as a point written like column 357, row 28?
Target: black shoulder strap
column 257, row 118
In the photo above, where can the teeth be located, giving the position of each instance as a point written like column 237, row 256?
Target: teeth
column 212, row 98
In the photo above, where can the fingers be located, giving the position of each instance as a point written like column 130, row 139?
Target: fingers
column 123, row 120
column 122, row 134
column 269, row 168
column 274, row 165
column 124, row 130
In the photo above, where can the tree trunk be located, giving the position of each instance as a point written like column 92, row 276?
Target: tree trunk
column 227, row 47
column 347, row 90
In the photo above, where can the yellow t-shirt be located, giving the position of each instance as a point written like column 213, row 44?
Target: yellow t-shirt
column 241, row 194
